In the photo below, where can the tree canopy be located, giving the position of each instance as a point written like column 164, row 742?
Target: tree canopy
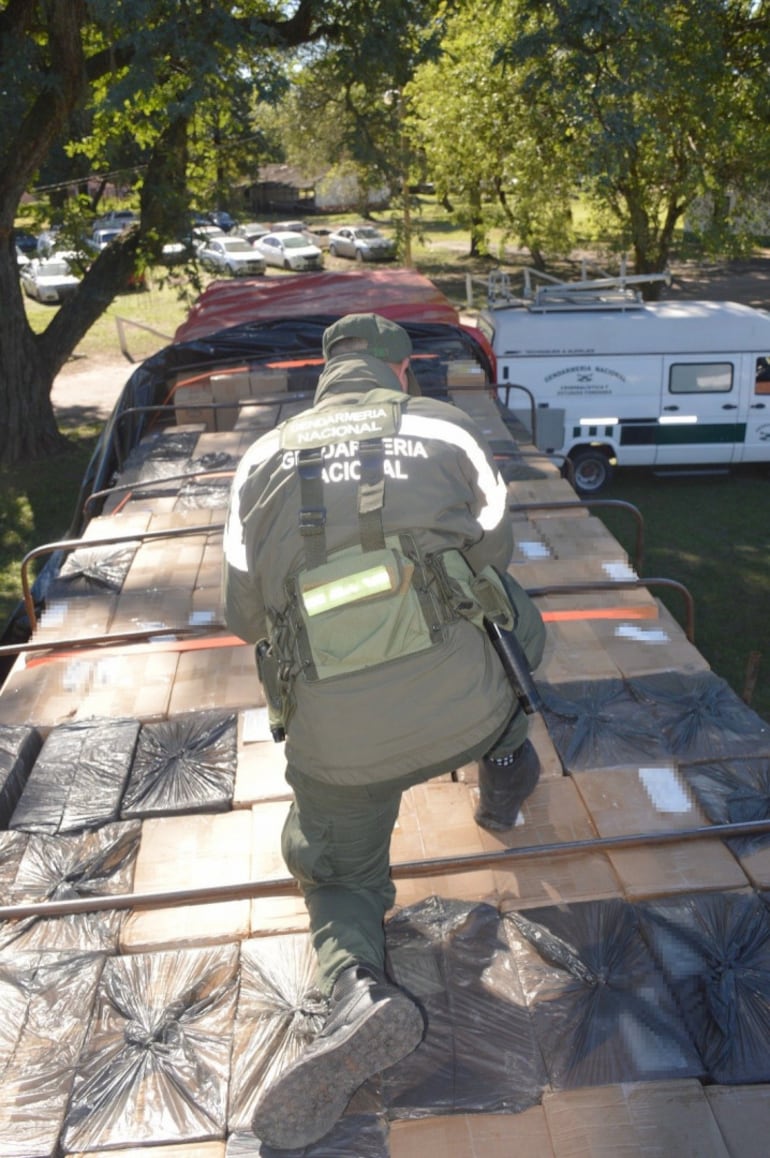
column 642, row 107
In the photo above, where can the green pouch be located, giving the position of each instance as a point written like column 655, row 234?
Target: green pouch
column 360, row 610
column 476, row 596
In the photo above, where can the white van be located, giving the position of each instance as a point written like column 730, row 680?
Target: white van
column 610, row 380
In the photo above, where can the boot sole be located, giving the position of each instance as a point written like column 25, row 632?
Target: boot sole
column 307, row 1099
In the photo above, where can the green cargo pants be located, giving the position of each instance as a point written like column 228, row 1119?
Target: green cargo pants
column 336, row 839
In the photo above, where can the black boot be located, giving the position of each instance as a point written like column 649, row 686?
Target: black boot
column 372, row 1025
column 503, row 788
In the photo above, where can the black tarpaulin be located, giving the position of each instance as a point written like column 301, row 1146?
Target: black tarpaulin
column 19, row 747
column 183, row 765
column 600, row 1006
column 156, row 1064
column 78, row 779
column 45, row 1009
column 61, row 868
column 733, row 792
column 479, row 1052
column 715, row 951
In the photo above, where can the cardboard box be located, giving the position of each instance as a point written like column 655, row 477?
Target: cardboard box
column 285, row 913
column 188, row 852
column 436, row 821
column 670, row 1119
column 655, row 799
column 174, row 1150
column 473, row 1136
column 214, row 676
column 190, row 405
column 553, row 814
column 261, row 767
column 229, row 388
column 743, row 1116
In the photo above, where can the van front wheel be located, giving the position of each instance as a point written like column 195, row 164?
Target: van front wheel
column 592, row 470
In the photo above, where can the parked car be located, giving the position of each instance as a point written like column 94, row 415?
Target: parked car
column 231, row 255
column 101, row 238
column 21, row 258
column 48, row 240
column 49, row 279
column 289, row 251
column 362, row 243
column 203, row 234
column 251, row 230
column 116, row 219
column 223, row 219
column 26, row 242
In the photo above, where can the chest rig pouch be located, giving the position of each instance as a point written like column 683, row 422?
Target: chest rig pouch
column 370, row 603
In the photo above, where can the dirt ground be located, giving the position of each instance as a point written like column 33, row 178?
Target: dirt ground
column 86, row 389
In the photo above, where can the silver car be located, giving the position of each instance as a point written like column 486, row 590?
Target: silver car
column 230, row 255
column 289, row 251
column 362, row 243
column 49, row 280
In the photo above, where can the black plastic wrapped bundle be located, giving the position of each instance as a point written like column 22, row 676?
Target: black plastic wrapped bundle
column 701, row 717
column 45, row 1009
column 78, row 779
column 733, row 792
column 19, row 746
column 159, row 454
column 279, row 1013
column 715, row 951
column 61, row 868
column 601, row 1009
column 187, row 764
column 479, row 1052
column 354, row 1136
column 156, row 1064
column 211, row 490
column 597, row 724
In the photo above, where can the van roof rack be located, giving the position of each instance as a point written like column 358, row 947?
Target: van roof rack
column 544, row 292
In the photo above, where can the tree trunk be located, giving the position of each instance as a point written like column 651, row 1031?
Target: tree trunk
column 27, row 424
column 29, row 362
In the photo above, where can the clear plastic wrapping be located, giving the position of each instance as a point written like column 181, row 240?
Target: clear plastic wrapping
column 19, row 747
column 156, row 1064
column 211, row 490
column 279, row 1013
column 91, row 569
column 91, row 864
column 479, row 1052
column 354, row 1136
column 45, row 1009
column 78, row 778
column 186, row 764
column 715, row 951
column 601, row 1009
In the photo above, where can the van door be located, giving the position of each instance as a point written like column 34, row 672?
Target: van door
column 756, row 445
column 700, row 410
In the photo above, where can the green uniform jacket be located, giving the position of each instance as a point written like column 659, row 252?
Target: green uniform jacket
column 423, row 713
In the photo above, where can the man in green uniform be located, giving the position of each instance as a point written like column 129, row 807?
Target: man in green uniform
column 367, row 542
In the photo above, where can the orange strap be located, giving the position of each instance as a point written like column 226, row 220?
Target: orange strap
column 160, row 645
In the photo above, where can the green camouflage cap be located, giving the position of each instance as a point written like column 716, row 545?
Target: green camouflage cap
column 384, row 339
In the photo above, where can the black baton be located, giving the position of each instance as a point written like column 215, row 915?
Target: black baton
column 514, row 662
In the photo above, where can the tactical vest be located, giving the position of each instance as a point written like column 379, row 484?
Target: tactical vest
column 374, row 602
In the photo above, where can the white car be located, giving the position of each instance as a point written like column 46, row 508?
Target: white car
column 231, row 255
column 49, row 280
column 362, row 243
column 289, row 251
column 251, row 230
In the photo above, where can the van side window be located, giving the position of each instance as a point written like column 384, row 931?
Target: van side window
column 762, row 384
column 701, row 378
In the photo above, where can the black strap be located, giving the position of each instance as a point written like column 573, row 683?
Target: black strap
column 312, row 514
column 371, row 494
